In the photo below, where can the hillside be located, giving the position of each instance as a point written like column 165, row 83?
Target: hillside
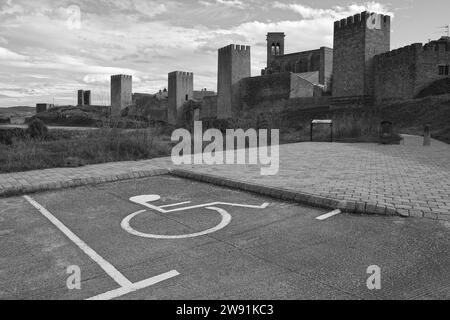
column 411, row 116
column 17, row 111
column 74, row 116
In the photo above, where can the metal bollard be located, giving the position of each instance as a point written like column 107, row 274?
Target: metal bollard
column 427, row 136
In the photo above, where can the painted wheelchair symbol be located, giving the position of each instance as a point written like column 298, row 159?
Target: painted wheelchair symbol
column 145, row 201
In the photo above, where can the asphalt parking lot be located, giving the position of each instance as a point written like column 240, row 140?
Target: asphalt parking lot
column 198, row 241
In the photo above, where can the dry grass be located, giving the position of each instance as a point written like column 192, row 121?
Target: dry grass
column 100, row 146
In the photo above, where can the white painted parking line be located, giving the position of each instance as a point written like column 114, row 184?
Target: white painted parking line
column 175, row 204
column 329, row 215
column 135, row 287
column 126, row 285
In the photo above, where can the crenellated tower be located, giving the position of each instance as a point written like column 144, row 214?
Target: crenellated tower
column 181, row 90
column 121, row 94
column 234, row 65
column 357, row 40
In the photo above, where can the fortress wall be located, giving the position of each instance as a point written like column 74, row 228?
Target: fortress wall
column 428, row 62
column 402, row 73
column 254, row 90
column 208, row 109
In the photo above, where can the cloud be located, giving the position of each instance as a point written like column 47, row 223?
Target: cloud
column 336, row 12
column 146, row 39
column 232, row 3
column 11, row 8
column 228, row 3
column 7, row 55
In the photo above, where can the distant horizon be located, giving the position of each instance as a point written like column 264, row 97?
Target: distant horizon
column 47, row 54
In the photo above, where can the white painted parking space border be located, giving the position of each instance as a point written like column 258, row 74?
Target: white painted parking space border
column 135, row 286
column 126, row 286
column 329, row 215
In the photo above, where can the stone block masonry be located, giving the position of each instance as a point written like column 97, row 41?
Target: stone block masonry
column 357, row 40
column 121, row 94
column 234, row 65
column 403, row 73
column 87, row 98
column 181, row 90
column 275, row 46
column 80, row 96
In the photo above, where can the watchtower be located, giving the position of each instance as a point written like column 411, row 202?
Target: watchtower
column 80, row 98
column 357, row 40
column 234, row 65
column 275, row 46
column 87, row 98
column 121, row 94
column 181, row 90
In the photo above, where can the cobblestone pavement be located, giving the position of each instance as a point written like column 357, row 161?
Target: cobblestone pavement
column 409, row 179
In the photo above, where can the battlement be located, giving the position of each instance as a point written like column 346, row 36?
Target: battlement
column 437, row 46
column 408, row 53
column 276, row 35
column 360, row 20
column 121, row 76
column 182, row 74
column 234, row 47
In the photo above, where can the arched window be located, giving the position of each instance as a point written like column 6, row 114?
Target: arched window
column 277, row 49
column 273, row 49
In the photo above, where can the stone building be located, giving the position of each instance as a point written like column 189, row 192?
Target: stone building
column 276, row 86
column 405, row 72
column 208, row 109
column 316, row 65
column 181, row 90
column 357, row 40
column 275, row 46
column 121, row 94
column 43, row 107
column 199, row 95
column 234, row 65
column 359, row 71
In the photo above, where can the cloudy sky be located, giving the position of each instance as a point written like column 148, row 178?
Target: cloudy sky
column 47, row 52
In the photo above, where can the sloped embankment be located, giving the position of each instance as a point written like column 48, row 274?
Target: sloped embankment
column 411, row 116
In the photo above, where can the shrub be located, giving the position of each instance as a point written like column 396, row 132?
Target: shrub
column 37, row 129
column 5, row 137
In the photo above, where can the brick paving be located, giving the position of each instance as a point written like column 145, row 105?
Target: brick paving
column 410, row 180
column 53, row 179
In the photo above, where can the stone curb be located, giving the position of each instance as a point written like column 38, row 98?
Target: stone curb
column 288, row 195
column 27, row 188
